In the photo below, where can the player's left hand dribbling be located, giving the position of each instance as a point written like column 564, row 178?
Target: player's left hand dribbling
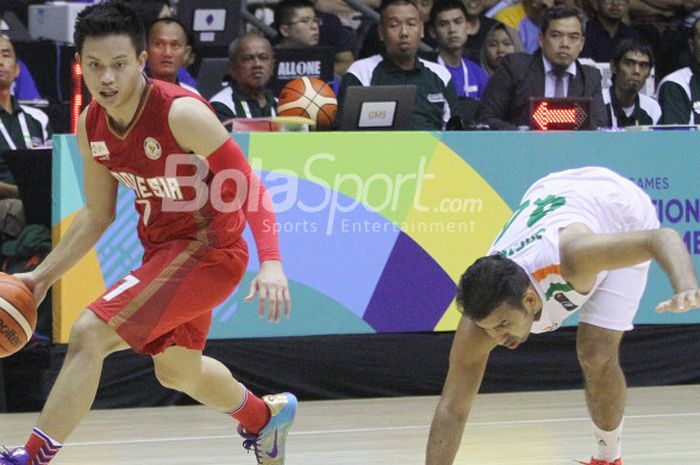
column 273, row 289
column 681, row 302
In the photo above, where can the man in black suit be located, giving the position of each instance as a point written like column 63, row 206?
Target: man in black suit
column 552, row 71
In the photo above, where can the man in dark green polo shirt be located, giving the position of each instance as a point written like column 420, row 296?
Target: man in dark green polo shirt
column 251, row 68
column 679, row 92
column 21, row 127
column 401, row 30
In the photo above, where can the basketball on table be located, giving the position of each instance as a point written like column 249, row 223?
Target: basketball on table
column 311, row 98
column 17, row 314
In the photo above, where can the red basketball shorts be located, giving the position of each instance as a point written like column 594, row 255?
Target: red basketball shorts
column 169, row 299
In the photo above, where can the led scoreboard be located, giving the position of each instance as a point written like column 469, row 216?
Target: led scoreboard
column 560, row 114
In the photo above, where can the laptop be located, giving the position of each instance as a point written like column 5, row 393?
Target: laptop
column 293, row 63
column 560, row 113
column 378, row 108
column 213, row 76
column 32, row 171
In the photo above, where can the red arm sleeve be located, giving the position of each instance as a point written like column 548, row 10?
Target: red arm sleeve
column 257, row 205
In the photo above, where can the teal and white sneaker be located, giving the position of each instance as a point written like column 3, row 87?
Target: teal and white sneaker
column 269, row 443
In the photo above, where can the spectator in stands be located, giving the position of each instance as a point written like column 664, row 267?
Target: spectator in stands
column 168, row 50
column 679, row 92
column 606, row 29
column 372, row 43
column 21, row 127
column 299, row 26
column 500, row 41
column 251, row 64
column 554, row 71
column 401, row 30
column 150, row 11
column 525, row 17
column 448, row 21
column 631, row 65
column 478, row 27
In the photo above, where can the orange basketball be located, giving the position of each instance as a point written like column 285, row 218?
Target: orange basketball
column 17, row 314
column 311, row 98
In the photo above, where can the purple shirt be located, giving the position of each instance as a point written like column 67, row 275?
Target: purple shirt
column 476, row 78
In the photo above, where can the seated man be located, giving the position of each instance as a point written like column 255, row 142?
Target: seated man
column 448, row 21
column 299, row 26
column 401, row 30
column 21, row 127
column 251, row 64
column 552, row 72
column 168, row 49
column 679, row 92
column 589, row 236
column 607, row 29
column 630, row 65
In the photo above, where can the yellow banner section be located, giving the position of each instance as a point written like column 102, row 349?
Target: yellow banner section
column 75, row 290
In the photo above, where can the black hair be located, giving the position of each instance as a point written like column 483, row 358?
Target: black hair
column 284, row 10
column 488, row 283
column 170, row 20
column 387, row 3
column 446, row 5
column 112, row 17
column 631, row 45
column 562, row 12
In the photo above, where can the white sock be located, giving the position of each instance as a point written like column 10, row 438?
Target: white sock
column 609, row 443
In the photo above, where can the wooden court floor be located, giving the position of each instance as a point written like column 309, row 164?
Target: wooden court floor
column 662, row 426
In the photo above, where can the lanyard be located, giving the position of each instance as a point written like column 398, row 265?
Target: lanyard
column 467, row 88
column 248, row 114
column 25, row 133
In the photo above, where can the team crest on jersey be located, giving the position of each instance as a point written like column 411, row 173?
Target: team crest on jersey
column 99, row 150
column 152, row 148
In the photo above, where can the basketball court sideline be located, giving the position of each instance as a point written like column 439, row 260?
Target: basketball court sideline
column 534, row 428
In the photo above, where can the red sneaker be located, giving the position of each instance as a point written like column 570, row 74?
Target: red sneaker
column 595, row 461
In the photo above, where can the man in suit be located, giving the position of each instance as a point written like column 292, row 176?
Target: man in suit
column 553, row 71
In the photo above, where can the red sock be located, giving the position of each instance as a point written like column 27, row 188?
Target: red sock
column 253, row 413
column 41, row 448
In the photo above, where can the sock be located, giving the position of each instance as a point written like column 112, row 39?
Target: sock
column 41, row 448
column 609, row 443
column 253, row 413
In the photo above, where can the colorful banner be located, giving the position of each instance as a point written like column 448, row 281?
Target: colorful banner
column 376, row 228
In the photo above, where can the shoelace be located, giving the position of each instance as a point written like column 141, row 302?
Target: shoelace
column 5, row 454
column 250, row 442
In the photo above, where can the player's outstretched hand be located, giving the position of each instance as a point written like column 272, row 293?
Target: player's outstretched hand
column 38, row 288
column 681, row 302
column 273, row 289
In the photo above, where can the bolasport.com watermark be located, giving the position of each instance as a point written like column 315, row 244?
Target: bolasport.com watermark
column 331, row 210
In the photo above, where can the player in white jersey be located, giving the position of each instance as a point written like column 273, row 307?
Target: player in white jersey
column 581, row 239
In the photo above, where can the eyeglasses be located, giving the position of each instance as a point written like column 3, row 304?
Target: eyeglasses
column 307, row 21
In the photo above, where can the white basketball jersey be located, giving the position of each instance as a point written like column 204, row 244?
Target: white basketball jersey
column 597, row 197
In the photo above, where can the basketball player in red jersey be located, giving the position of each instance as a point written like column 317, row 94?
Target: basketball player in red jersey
column 194, row 255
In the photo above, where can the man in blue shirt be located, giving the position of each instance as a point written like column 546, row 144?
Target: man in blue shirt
column 448, row 21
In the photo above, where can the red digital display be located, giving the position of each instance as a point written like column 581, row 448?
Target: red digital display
column 559, row 114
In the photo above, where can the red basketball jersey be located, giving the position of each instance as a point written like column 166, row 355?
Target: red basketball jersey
column 165, row 199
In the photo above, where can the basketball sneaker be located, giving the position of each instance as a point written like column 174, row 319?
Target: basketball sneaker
column 17, row 456
column 269, row 443
column 595, row 461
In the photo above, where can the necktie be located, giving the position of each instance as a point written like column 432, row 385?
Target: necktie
column 559, row 84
